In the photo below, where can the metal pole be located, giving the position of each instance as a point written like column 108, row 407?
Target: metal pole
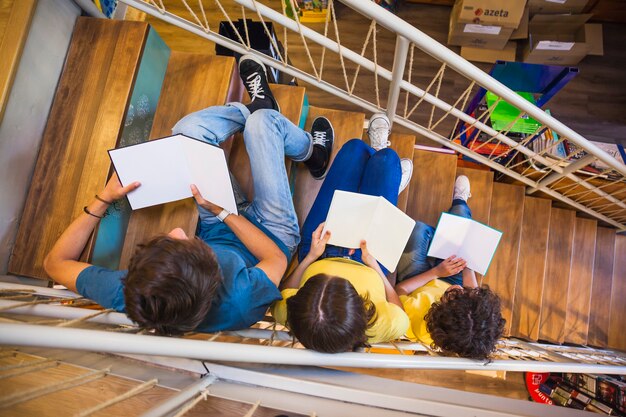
column 101, row 341
column 571, row 168
column 177, row 400
column 399, row 63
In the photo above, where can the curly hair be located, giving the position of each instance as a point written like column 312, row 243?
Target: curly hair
column 466, row 322
column 171, row 284
column 328, row 315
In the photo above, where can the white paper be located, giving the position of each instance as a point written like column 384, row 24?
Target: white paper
column 353, row 217
column 467, row 239
column 486, row 30
column 167, row 167
column 557, row 1
column 554, row 46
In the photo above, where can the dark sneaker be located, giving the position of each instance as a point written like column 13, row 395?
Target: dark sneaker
column 254, row 77
column 323, row 139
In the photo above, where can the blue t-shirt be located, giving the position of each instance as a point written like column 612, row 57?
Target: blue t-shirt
column 242, row 299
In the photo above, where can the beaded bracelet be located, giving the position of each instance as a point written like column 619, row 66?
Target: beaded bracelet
column 103, row 200
column 86, row 210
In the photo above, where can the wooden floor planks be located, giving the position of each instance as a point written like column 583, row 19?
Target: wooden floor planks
column 403, row 144
column 84, row 122
column 601, row 289
column 617, row 335
column 581, row 282
column 506, row 212
column 531, row 268
column 192, row 82
column 481, row 183
column 554, row 302
column 431, row 186
column 347, row 125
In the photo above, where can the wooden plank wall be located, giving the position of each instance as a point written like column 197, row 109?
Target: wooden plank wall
column 531, row 268
column 85, row 120
column 600, row 309
column 403, row 144
column 15, row 19
column 192, row 82
column 617, row 335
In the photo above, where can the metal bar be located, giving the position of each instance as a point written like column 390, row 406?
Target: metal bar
column 101, row 341
column 177, row 400
column 397, row 74
column 64, row 312
column 573, row 167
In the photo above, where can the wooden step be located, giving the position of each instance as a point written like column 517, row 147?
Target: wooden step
column 347, row 125
column 531, row 268
column 505, row 214
column 15, row 19
column 432, row 185
column 617, row 335
column 580, row 282
column 554, row 301
column 290, row 99
column 192, row 82
column 84, row 122
column 599, row 314
column 481, row 183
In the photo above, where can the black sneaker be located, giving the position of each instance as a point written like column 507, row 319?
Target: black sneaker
column 254, row 77
column 323, row 139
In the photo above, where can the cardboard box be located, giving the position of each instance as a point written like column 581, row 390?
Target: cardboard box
column 561, row 39
column 557, row 6
column 475, row 35
column 490, row 55
column 522, row 30
column 504, row 13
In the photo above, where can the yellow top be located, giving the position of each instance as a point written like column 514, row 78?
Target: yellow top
column 391, row 322
column 417, row 305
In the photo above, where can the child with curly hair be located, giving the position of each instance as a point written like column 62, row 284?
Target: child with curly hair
column 447, row 308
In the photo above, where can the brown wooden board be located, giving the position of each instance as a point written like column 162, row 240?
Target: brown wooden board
column 581, row 282
column 85, row 120
column 347, row 125
column 600, row 309
column 192, row 82
column 290, row 99
column 432, row 185
column 531, row 268
column 507, row 208
column 481, row 183
column 554, row 299
column 617, row 335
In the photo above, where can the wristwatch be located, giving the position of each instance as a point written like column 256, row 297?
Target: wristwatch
column 223, row 214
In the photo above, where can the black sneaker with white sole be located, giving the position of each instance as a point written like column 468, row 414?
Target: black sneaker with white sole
column 254, row 77
column 323, row 140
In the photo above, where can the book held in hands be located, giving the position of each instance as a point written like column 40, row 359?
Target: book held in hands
column 353, row 217
column 467, row 239
column 167, row 167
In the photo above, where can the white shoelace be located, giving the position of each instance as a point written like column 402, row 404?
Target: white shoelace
column 379, row 138
column 254, row 86
column 319, row 138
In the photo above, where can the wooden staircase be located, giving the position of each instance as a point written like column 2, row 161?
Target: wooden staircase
column 560, row 277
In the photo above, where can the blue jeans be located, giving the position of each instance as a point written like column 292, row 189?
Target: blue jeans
column 268, row 137
column 360, row 169
column 414, row 260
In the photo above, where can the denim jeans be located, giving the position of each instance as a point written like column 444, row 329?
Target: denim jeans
column 414, row 260
column 268, row 137
column 360, row 169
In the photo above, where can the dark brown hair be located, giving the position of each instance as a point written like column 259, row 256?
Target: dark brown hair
column 171, row 284
column 466, row 322
column 328, row 315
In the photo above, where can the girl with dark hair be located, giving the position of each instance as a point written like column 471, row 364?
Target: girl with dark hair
column 339, row 299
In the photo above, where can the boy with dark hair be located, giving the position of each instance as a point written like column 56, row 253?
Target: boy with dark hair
column 227, row 276
column 446, row 307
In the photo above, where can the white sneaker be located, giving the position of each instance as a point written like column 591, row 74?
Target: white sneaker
column 407, row 171
column 378, row 131
column 461, row 188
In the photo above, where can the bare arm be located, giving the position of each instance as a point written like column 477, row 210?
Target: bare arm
column 390, row 293
column 62, row 263
column 318, row 245
column 450, row 266
column 469, row 278
column 272, row 260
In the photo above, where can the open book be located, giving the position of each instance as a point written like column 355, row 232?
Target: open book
column 353, row 217
column 167, row 167
column 467, row 239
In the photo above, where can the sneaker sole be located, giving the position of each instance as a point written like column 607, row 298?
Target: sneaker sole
column 258, row 61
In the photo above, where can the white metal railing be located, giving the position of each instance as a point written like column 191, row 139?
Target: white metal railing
column 266, row 342
column 601, row 193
